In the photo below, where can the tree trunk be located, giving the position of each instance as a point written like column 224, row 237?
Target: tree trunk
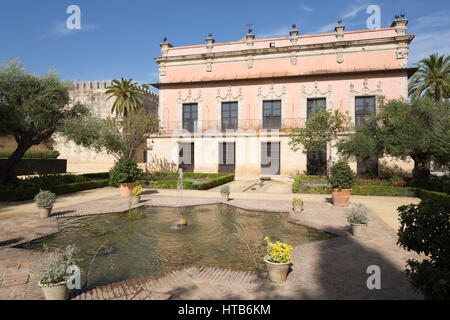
column 421, row 167
column 8, row 175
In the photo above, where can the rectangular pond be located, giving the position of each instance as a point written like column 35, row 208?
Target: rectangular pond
column 116, row 247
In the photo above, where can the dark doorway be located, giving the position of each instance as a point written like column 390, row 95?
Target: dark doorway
column 270, row 158
column 227, row 157
column 316, row 164
column 186, row 157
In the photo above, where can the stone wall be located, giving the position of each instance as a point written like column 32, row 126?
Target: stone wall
column 93, row 94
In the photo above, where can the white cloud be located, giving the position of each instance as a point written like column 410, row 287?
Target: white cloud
column 425, row 44
column 60, row 30
column 326, row 28
column 434, row 20
column 279, row 32
column 307, row 9
column 352, row 11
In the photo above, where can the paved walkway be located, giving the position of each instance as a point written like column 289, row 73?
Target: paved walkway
column 329, row 269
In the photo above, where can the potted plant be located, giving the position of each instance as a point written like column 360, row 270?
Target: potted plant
column 225, row 193
column 298, row 204
column 54, row 278
column 125, row 173
column 341, row 180
column 136, row 193
column 278, row 261
column 357, row 217
column 45, row 201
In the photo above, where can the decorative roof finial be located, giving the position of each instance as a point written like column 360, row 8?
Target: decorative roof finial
column 249, row 25
column 397, row 16
column 294, row 26
column 210, row 34
column 339, row 21
column 402, row 15
column 165, row 39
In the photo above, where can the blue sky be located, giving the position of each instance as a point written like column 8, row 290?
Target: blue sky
column 121, row 38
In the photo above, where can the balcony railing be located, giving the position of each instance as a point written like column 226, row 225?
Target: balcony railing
column 214, row 126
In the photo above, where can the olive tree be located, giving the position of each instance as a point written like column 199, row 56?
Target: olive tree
column 418, row 130
column 31, row 110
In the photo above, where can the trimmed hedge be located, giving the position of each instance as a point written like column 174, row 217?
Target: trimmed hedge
column 215, row 182
column 217, row 179
column 443, row 198
column 297, row 186
column 59, row 184
column 33, row 155
column 388, row 191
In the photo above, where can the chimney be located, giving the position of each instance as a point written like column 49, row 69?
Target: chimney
column 210, row 42
column 165, row 47
column 339, row 30
column 294, row 35
column 250, row 37
column 399, row 24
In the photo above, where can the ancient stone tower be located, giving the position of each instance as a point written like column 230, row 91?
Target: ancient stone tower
column 93, row 94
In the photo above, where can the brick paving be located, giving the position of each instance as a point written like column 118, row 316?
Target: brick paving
column 329, row 269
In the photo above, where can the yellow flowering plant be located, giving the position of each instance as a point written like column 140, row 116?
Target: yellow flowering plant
column 297, row 200
column 137, row 191
column 279, row 252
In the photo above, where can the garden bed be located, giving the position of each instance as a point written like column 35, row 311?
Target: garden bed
column 191, row 181
column 394, row 187
column 27, row 188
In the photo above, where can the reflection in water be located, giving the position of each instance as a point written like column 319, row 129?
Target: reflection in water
column 117, row 247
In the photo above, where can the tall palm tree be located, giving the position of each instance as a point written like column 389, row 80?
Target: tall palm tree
column 127, row 95
column 432, row 79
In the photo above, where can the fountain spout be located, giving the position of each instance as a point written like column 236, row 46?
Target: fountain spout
column 182, row 221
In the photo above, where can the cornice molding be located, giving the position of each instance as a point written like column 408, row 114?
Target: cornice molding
column 288, row 49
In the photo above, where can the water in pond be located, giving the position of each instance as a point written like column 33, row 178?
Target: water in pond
column 143, row 243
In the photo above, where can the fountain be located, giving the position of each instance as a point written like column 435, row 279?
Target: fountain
column 181, row 224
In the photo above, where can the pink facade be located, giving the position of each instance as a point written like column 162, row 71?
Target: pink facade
column 337, row 67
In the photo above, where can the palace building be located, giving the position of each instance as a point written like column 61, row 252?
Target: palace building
column 229, row 107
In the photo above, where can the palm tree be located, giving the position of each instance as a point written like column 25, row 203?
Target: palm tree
column 432, row 79
column 127, row 95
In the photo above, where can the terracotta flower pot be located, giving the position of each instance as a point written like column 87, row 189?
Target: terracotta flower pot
column 225, row 196
column 277, row 271
column 359, row 230
column 136, row 200
column 45, row 212
column 341, row 198
column 126, row 188
column 58, row 291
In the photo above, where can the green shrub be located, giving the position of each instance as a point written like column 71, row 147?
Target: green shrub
column 33, row 155
column 357, row 215
column 102, row 175
column 341, row 176
column 425, row 229
column 170, row 184
column 45, row 199
column 58, row 263
column 80, row 186
column 26, row 189
column 388, row 191
column 442, row 198
column 316, row 189
column 125, row 171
